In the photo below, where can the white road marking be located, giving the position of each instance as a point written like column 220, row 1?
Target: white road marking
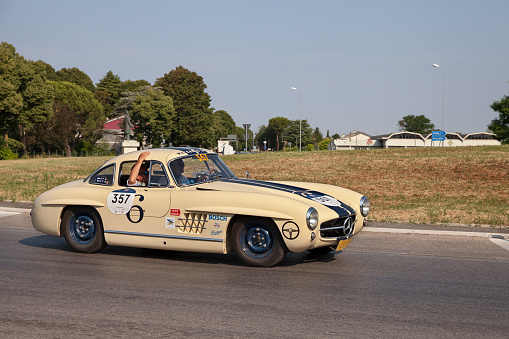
column 6, row 214
column 429, row 232
column 8, row 211
column 16, row 210
column 500, row 240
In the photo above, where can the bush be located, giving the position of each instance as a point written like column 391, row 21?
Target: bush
column 7, row 154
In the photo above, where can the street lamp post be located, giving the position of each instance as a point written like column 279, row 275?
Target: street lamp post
column 300, row 117
column 246, row 127
column 443, row 95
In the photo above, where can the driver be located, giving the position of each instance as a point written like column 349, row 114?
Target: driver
column 177, row 167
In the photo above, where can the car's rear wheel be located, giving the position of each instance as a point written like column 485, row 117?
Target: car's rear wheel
column 83, row 229
column 258, row 242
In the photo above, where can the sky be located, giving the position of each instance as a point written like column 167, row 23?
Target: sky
column 358, row 65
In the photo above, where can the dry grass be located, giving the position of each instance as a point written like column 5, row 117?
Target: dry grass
column 468, row 185
column 25, row 179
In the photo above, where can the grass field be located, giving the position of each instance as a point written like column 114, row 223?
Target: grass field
column 467, row 185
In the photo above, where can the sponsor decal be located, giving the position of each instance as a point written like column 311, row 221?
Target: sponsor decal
column 326, row 200
column 215, row 232
column 218, row 217
column 175, row 211
column 121, row 201
column 217, row 225
column 170, row 223
column 290, row 230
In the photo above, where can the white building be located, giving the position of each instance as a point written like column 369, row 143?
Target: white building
column 360, row 140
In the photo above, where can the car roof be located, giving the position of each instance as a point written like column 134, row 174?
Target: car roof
column 161, row 154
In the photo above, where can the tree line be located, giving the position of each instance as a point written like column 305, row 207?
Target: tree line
column 42, row 109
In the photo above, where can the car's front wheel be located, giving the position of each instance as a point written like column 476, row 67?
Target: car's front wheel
column 258, row 242
column 83, row 229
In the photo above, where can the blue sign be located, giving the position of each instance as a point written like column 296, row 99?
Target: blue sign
column 437, row 138
column 437, row 133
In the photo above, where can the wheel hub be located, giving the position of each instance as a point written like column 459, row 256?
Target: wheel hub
column 258, row 240
column 82, row 229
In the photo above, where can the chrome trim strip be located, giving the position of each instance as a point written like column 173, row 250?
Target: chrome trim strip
column 163, row 236
column 332, row 228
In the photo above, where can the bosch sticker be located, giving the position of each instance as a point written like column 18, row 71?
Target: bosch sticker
column 218, row 217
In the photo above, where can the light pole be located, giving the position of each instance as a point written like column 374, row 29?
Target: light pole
column 246, row 127
column 443, row 95
column 300, row 117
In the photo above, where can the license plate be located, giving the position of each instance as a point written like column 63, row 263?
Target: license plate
column 342, row 244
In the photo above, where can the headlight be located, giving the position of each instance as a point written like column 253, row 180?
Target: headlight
column 364, row 206
column 312, row 218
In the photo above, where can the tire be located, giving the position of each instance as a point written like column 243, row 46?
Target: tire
column 258, row 242
column 83, row 230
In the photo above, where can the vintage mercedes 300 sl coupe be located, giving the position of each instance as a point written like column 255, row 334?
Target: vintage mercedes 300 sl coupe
column 193, row 202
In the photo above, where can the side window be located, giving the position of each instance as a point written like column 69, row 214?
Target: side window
column 125, row 170
column 103, row 176
column 157, row 176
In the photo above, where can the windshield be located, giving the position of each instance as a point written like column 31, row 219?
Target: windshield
column 199, row 168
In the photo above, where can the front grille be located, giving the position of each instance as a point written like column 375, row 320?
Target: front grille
column 337, row 227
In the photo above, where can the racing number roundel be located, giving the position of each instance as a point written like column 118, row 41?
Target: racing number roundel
column 121, row 201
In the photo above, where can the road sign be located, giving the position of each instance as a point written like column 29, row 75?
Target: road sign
column 437, row 133
column 438, row 138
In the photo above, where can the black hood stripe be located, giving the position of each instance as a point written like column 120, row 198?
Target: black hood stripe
column 342, row 210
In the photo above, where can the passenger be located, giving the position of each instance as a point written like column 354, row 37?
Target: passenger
column 139, row 172
column 177, row 168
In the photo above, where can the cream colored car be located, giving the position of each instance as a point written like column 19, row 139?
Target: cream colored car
column 193, row 202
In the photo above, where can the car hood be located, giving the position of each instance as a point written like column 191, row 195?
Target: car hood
column 325, row 196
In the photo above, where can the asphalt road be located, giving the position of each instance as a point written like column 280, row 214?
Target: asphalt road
column 393, row 285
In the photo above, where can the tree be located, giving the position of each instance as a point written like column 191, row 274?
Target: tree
column 77, row 116
column 323, row 144
column 417, row 124
column 152, row 116
column 51, row 74
column 193, row 121
column 222, row 124
column 317, row 136
column 293, row 133
column 108, row 92
column 133, row 86
column 336, row 136
column 25, row 95
column 500, row 126
column 76, row 76
column 278, row 125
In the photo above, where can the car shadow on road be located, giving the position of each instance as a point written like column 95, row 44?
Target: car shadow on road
column 59, row 244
